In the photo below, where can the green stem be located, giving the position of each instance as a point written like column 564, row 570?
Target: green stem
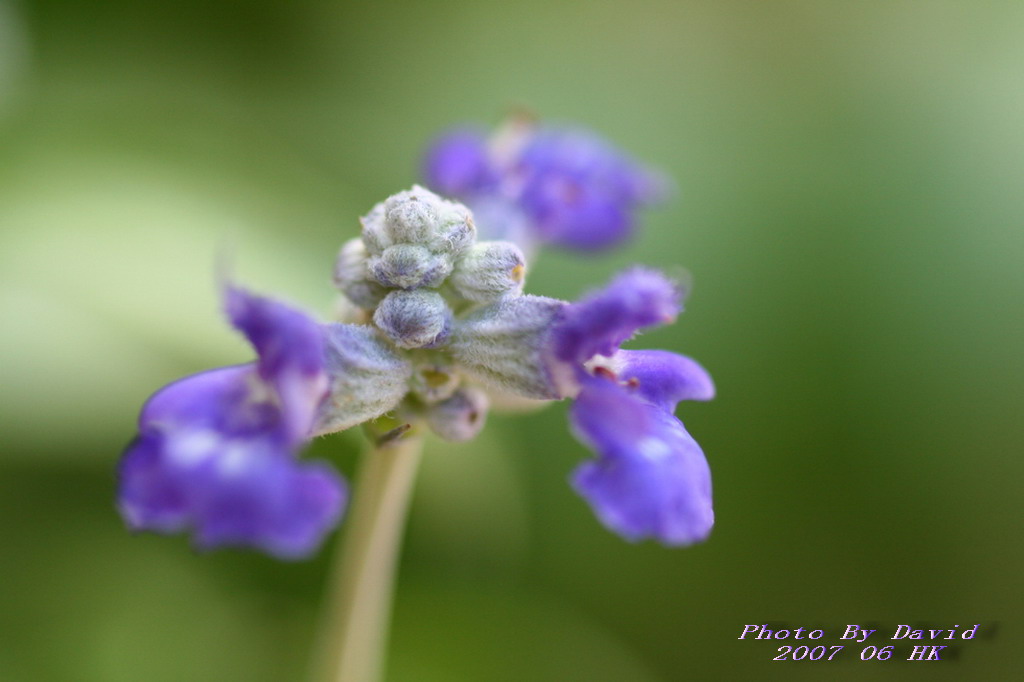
column 354, row 631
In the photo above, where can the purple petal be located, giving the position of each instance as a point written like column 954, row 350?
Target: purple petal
column 457, row 164
column 578, row 217
column 268, row 501
column 600, row 322
column 650, row 479
column 211, row 399
column 606, row 418
column 663, row 378
column 285, row 338
column 580, row 190
column 588, row 159
column 233, row 491
column 290, row 345
column 149, row 498
column 572, row 187
column 663, row 500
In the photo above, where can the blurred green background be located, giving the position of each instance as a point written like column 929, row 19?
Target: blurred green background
column 851, row 209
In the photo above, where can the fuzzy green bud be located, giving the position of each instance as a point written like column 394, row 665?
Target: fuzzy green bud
column 461, row 416
column 488, row 271
column 352, row 278
column 408, row 266
column 418, row 216
column 414, row 319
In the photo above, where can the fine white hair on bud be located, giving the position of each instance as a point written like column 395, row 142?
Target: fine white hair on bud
column 410, row 216
column 408, row 266
column 455, row 233
column 352, row 277
column 374, row 233
column 461, row 416
column 367, row 377
column 420, row 217
column 488, row 271
column 414, row 319
column 504, row 345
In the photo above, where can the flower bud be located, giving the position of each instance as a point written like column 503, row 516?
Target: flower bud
column 461, row 416
column 351, row 276
column 420, row 217
column 505, row 344
column 414, row 319
column 374, row 232
column 407, row 266
column 411, row 215
column 488, row 271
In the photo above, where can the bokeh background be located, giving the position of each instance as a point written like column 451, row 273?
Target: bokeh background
column 849, row 206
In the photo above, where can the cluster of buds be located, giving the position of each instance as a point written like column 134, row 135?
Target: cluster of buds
column 411, row 277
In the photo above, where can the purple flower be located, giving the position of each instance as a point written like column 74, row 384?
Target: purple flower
column 438, row 329
column 562, row 186
column 459, row 164
column 650, row 479
column 216, row 451
column 601, row 322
